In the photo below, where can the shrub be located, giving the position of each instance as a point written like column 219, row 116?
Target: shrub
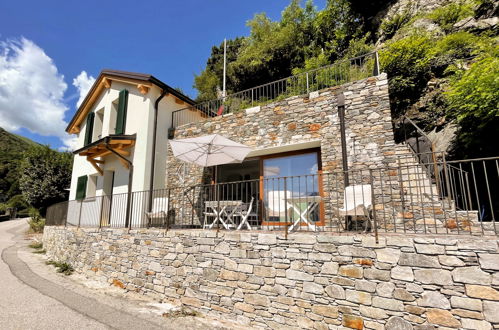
column 36, row 222
column 474, row 99
column 62, row 267
column 447, row 16
column 391, row 25
column 3, row 208
column 18, row 202
column 407, row 63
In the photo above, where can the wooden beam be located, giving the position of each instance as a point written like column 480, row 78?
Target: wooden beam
column 97, row 167
column 143, row 89
column 122, row 152
column 106, row 82
column 98, row 161
column 179, row 101
column 124, row 163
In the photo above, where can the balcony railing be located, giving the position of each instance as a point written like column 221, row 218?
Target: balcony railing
column 338, row 73
column 396, row 199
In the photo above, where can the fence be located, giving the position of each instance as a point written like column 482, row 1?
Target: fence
column 335, row 74
column 393, row 199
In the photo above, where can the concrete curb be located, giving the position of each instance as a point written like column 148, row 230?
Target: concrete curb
column 91, row 308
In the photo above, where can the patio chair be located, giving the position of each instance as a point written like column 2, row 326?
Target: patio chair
column 276, row 204
column 159, row 210
column 244, row 211
column 357, row 203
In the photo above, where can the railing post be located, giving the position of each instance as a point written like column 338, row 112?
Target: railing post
column 308, row 86
column 447, row 184
column 376, row 64
column 79, row 216
column 286, row 210
column 371, row 181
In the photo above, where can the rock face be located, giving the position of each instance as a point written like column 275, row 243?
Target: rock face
column 265, row 280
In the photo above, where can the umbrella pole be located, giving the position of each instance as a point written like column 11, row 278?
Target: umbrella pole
column 218, row 199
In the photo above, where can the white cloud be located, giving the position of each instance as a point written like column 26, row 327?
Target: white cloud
column 83, row 83
column 32, row 91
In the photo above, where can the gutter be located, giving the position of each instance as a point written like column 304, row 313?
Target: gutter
column 154, row 137
column 130, row 179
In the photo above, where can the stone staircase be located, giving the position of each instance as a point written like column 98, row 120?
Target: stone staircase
column 419, row 205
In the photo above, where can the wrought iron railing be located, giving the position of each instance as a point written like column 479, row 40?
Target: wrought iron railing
column 393, row 199
column 335, row 74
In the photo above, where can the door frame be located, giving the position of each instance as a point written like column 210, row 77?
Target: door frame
column 317, row 151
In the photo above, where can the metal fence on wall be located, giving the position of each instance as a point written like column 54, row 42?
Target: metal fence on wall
column 393, row 199
column 336, row 74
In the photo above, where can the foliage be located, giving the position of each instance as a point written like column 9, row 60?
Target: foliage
column 391, row 25
column 474, row 99
column 3, row 208
column 45, row 176
column 274, row 48
column 36, row 222
column 36, row 245
column 18, row 201
column 407, row 63
column 12, row 147
column 62, row 267
column 446, row 16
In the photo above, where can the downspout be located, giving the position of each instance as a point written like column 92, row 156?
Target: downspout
column 130, row 179
column 344, row 154
column 154, row 135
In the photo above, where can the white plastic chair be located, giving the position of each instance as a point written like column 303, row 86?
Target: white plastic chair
column 276, row 203
column 244, row 211
column 159, row 210
column 357, row 202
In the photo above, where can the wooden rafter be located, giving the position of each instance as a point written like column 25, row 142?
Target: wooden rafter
column 101, row 149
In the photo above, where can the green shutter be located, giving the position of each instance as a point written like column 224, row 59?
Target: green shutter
column 81, row 187
column 89, row 128
column 121, row 116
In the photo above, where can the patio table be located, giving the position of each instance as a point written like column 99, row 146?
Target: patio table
column 219, row 209
column 312, row 203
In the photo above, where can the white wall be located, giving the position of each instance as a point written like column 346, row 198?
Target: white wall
column 139, row 121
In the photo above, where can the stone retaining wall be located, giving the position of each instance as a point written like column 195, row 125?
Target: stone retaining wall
column 307, row 281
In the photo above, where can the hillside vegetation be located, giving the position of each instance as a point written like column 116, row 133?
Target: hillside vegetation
column 12, row 148
column 32, row 176
column 441, row 58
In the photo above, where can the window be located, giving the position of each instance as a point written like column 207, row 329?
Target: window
column 89, row 128
column 122, row 110
column 98, row 121
column 81, row 187
column 91, row 186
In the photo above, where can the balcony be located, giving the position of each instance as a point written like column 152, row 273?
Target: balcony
column 336, row 74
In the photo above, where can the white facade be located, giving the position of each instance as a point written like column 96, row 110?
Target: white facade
column 139, row 121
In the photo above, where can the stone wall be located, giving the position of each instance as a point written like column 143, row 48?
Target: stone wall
column 307, row 281
column 305, row 118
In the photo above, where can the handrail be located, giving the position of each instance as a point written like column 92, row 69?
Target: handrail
column 305, row 82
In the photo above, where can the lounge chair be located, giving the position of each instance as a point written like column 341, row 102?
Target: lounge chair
column 159, row 211
column 357, row 203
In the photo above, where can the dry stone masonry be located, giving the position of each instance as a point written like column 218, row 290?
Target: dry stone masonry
column 319, row 281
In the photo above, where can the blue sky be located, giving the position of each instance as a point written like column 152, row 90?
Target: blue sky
column 169, row 39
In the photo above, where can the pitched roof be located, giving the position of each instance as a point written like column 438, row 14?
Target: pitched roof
column 134, row 77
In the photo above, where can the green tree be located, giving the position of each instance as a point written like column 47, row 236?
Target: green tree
column 473, row 97
column 45, row 176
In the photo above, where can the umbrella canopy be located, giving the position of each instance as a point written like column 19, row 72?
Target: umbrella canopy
column 209, row 150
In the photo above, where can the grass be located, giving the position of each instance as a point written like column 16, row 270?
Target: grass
column 43, row 251
column 36, row 245
column 62, row 267
column 182, row 312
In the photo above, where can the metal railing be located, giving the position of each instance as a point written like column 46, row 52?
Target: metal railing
column 335, row 74
column 396, row 199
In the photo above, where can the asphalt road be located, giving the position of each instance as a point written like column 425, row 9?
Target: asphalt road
column 32, row 296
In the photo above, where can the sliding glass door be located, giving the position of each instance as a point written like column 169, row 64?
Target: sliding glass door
column 291, row 188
